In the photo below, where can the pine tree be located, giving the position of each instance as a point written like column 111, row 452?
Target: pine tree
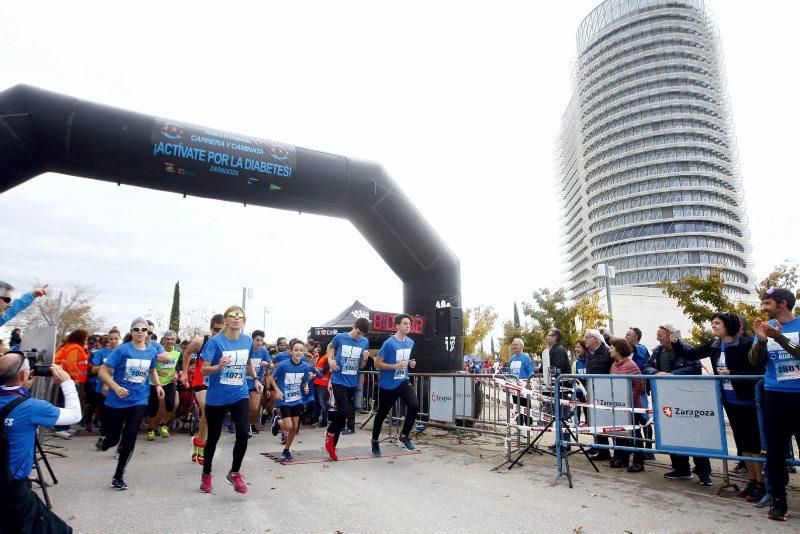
column 175, row 314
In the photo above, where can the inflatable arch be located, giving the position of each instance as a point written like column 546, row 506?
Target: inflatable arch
column 41, row 131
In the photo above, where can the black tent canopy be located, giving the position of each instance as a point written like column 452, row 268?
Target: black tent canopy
column 343, row 321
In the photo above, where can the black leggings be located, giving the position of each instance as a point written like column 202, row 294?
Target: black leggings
column 240, row 415
column 124, row 423
column 345, row 400
column 386, row 400
column 781, row 420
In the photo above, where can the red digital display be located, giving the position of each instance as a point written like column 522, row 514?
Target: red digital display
column 384, row 322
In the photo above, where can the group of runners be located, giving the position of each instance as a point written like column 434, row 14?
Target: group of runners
column 230, row 374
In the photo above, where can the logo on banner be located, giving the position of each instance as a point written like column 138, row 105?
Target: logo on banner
column 440, row 398
column 669, row 411
column 171, row 131
column 360, row 314
column 603, row 402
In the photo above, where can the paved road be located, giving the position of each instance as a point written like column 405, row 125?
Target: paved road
column 446, row 488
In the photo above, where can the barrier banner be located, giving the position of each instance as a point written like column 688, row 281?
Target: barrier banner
column 688, row 416
column 608, row 393
column 442, row 398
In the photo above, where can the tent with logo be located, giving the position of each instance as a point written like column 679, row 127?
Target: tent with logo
column 343, row 322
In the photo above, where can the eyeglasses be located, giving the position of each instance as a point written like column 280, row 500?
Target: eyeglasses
column 236, row 315
column 137, row 329
column 7, row 300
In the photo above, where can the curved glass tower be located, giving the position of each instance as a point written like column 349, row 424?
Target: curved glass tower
column 648, row 175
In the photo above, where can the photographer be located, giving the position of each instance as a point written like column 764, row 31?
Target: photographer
column 21, row 510
column 9, row 310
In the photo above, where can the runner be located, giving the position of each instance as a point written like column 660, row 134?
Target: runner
column 283, row 351
column 321, row 387
column 160, row 410
column 98, row 359
column 199, row 384
column 290, row 381
column 261, row 362
column 393, row 362
column 228, row 357
column 777, row 346
column 125, row 372
column 347, row 355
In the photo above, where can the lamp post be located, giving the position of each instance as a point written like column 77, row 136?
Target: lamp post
column 264, row 328
column 608, row 273
column 247, row 292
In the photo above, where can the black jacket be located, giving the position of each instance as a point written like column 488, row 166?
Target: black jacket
column 735, row 360
column 600, row 362
column 679, row 365
column 559, row 359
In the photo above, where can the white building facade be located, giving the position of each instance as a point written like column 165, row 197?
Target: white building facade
column 648, row 177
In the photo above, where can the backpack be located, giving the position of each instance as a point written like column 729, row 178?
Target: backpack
column 5, row 469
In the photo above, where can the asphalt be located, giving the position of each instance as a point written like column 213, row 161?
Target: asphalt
column 450, row 487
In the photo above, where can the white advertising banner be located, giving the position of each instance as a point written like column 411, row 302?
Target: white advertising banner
column 607, row 393
column 442, row 398
column 688, row 416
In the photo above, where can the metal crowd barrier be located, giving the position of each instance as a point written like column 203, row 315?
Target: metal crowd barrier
column 687, row 418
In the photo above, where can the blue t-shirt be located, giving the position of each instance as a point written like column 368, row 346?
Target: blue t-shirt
column 99, row 358
column 281, row 357
column 20, row 426
column 228, row 386
column 156, row 345
column 290, row 378
column 258, row 356
column 395, row 351
column 131, row 368
column 520, row 366
column 348, row 358
column 783, row 369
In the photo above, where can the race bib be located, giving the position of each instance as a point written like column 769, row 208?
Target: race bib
column 787, row 367
column 722, row 364
column 233, row 373
column 351, row 359
column 168, row 365
column 292, row 383
column 136, row 370
column 401, row 356
column 515, row 368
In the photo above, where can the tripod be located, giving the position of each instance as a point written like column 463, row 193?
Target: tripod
column 39, row 478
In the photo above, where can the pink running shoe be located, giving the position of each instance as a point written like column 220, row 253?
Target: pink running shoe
column 237, row 481
column 205, row 483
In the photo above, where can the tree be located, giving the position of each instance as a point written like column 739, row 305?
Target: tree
column 75, row 312
column 783, row 276
column 194, row 322
column 516, row 315
column 175, row 313
column 478, row 322
column 588, row 315
column 532, row 337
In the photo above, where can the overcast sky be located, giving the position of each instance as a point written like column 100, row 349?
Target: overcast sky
column 461, row 102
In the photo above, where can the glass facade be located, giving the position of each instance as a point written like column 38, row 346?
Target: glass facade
column 648, row 175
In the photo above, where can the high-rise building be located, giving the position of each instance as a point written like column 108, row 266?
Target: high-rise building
column 648, row 174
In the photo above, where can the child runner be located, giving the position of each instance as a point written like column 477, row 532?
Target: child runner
column 261, row 362
column 228, row 357
column 393, row 362
column 290, row 380
column 347, row 355
column 125, row 372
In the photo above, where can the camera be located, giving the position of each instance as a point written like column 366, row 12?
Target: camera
column 37, row 362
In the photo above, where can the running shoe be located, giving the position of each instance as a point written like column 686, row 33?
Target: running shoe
column 254, row 429
column 748, row 490
column 740, row 469
column 676, row 475
column 264, row 416
column 322, row 424
column 330, row 446
column 287, row 456
column 284, row 438
column 758, row 493
column 348, row 431
column 249, row 431
column 205, row 483
column 118, row 484
column 705, row 480
column 151, row 435
column 237, row 481
column 201, row 455
column 276, row 425
column 779, row 510
column 99, row 444
column 164, row 431
column 63, row 434
column 376, row 448
column 405, row 441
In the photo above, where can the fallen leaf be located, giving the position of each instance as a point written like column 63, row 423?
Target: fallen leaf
column 272, row 488
column 577, row 530
column 279, row 477
column 584, row 506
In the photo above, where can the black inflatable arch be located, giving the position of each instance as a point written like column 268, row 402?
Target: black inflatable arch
column 41, row 131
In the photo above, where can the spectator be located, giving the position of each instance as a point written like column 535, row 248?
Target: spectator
column 559, row 359
column 598, row 362
column 665, row 361
column 9, row 309
column 640, row 357
column 728, row 354
column 16, row 339
column 620, row 351
column 74, row 359
column 579, row 368
column 21, row 510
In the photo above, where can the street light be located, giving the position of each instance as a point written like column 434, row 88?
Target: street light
column 608, row 273
column 266, row 311
column 247, row 292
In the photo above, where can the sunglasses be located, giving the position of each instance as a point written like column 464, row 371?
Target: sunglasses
column 236, row 315
column 7, row 300
column 137, row 329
